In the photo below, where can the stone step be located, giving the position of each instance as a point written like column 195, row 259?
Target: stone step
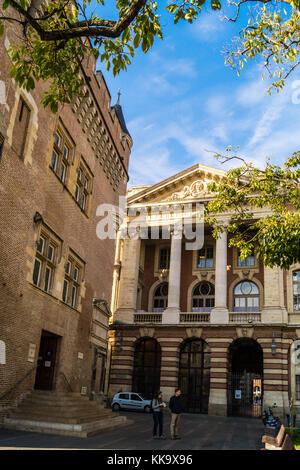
column 62, row 411
column 71, row 419
column 81, row 430
column 57, row 399
column 76, row 406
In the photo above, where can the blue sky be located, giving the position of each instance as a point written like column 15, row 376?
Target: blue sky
column 180, row 101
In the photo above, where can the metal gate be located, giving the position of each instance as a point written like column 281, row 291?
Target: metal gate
column 245, row 394
column 194, row 376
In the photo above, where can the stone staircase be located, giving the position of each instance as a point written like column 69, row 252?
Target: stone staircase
column 65, row 413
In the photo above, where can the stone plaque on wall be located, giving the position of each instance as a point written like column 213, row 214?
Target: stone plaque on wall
column 31, row 352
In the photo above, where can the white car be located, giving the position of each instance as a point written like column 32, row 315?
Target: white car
column 130, row 401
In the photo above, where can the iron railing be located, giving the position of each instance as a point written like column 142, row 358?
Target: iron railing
column 10, row 390
column 66, row 380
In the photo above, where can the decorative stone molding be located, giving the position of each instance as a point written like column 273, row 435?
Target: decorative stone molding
column 196, row 189
column 245, row 332
column 194, row 332
column 147, row 332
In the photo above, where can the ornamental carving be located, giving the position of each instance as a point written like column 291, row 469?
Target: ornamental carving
column 196, row 189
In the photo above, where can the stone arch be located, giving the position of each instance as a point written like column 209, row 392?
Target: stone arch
column 146, row 366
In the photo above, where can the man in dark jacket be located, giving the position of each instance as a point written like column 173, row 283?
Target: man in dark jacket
column 175, row 407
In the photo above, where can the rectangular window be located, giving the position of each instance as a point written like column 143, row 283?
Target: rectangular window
column 65, row 291
column 51, row 252
column 83, row 186
column 297, row 387
column 62, row 149
column 73, row 300
column 66, row 152
column 73, row 276
column 41, row 244
column 36, row 272
column 164, row 258
column 68, row 267
column 63, row 172
column 54, row 160
column 47, row 279
column 205, row 257
column 44, row 265
column 57, row 139
column 249, row 261
column 77, row 193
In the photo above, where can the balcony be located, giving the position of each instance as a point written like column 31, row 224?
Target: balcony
column 197, row 316
column 194, row 317
column 147, row 317
column 244, row 317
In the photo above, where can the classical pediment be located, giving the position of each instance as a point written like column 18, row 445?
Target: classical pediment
column 189, row 185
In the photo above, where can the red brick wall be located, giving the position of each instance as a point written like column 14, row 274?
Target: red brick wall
column 29, row 187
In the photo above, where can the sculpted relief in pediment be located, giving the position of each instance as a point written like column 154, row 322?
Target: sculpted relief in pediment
column 196, row 189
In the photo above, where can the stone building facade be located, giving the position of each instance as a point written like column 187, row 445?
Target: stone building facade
column 224, row 330
column 56, row 274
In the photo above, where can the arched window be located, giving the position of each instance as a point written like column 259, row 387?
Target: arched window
column 203, row 298
column 160, row 298
column 246, row 297
column 296, row 291
column 146, row 372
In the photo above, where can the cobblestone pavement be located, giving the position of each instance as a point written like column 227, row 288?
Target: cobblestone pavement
column 196, row 431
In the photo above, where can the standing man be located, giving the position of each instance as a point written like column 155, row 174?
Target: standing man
column 175, row 407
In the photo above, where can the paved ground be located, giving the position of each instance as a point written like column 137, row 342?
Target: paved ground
column 196, row 431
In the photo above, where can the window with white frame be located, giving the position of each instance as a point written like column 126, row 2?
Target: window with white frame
column 296, row 291
column 246, row 297
column 249, row 261
column 203, row 297
column 205, row 257
column 160, row 298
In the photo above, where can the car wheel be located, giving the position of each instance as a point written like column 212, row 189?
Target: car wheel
column 147, row 409
column 116, row 407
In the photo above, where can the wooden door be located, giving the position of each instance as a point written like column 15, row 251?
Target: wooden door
column 46, row 363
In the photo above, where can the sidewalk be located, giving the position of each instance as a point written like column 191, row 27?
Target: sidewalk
column 196, row 431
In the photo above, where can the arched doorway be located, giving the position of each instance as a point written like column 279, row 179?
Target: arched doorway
column 245, row 378
column 146, row 369
column 194, row 375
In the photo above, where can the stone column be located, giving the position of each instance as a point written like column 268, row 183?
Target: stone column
column 276, row 373
column 274, row 310
column 219, row 313
column 171, row 314
column 128, row 280
column 169, row 365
